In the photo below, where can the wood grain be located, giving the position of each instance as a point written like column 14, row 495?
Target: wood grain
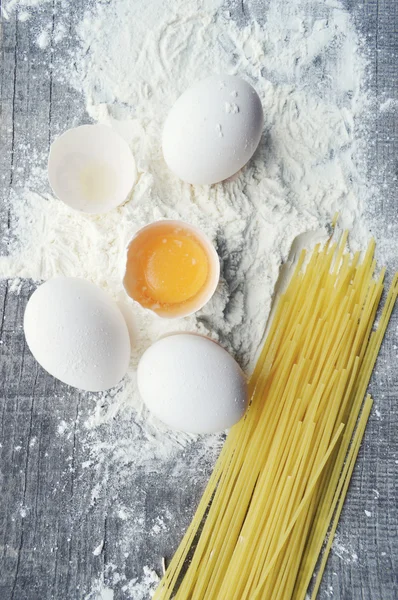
column 48, row 524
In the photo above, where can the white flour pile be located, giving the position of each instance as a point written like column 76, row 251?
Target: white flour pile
column 133, row 60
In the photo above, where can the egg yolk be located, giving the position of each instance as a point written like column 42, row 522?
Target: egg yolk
column 171, row 266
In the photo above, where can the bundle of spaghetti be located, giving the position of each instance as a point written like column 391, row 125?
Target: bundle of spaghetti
column 279, row 484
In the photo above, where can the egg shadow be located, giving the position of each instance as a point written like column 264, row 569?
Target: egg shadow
column 259, row 155
column 230, row 259
column 263, row 149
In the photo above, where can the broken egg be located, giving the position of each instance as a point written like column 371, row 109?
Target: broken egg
column 91, row 168
column 172, row 268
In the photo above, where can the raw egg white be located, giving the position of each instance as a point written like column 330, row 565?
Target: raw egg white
column 192, row 384
column 77, row 333
column 213, row 129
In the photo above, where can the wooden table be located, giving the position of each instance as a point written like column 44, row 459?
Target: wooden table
column 50, row 521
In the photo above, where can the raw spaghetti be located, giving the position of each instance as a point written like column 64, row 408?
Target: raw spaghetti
column 278, row 487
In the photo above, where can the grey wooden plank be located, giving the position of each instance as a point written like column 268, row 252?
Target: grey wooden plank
column 373, row 539
column 364, row 562
column 47, row 525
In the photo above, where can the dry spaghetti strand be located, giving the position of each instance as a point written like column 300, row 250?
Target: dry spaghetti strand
column 280, row 482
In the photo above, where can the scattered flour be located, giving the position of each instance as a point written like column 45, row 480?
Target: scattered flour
column 60, row 32
column 159, row 526
column 11, row 5
column 97, row 551
column 304, row 60
column 389, row 105
column 303, row 172
column 133, row 589
column 344, row 551
column 43, row 39
column 23, row 16
column 100, row 591
column 62, row 427
column 138, row 590
column 231, row 108
column 15, row 286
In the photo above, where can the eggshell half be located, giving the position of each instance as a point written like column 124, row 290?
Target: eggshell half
column 91, row 168
column 192, row 384
column 213, row 129
column 77, row 333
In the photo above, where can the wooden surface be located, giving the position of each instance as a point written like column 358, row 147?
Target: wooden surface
column 48, row 525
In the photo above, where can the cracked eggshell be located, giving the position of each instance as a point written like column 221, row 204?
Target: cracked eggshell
column 91, row 168
column 77, row 333
column 213, row 129
column 190, row 306
column 192, row 384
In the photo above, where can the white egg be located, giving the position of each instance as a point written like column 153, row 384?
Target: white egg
column 213, row 129
column 91, row 168
column 77, row 333
column 192, row 384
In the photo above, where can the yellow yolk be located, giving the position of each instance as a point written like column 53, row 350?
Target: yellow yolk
column 170, row 266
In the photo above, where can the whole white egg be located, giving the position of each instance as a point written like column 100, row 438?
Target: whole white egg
column 213, row 129
column 77, row 333
column 192, row 384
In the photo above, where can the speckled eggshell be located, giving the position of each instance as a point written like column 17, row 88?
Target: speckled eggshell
column 77, row 333
column 213, row 129
column 192, row 384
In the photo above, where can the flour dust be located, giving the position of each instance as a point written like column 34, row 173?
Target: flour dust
column 130, row 61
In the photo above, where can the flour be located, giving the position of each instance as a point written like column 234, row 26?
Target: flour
column 135, row 589
column 344, row 551
column 389, row 105
column 12, row 5
column 100, row 591
column 301, row 175
column 97, row 551
column 131, row 61
column 43, row 39
column 139, row 589
column 23, row 16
